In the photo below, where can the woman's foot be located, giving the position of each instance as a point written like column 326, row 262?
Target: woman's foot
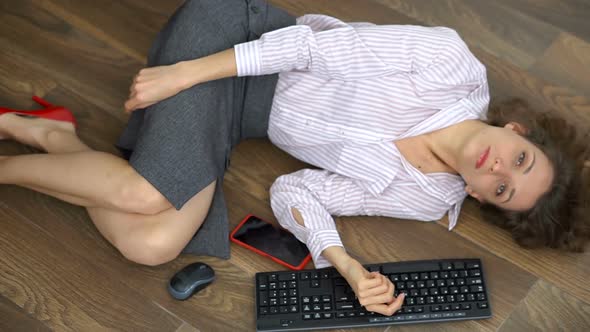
column 33, row 131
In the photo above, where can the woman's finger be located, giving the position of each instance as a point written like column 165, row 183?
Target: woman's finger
column 372, row 280
column 387, row 309
column 373, row 291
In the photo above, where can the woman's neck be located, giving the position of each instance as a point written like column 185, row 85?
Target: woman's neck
column 448, row 143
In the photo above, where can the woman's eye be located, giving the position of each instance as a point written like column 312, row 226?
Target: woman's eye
column 501, row 189
column 521, row 158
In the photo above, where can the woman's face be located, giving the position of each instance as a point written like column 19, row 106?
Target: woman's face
column 503, row 168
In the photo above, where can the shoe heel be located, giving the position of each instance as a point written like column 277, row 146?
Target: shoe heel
column 42, row 102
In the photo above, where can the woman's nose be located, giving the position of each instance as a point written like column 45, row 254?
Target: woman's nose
column 496, row 166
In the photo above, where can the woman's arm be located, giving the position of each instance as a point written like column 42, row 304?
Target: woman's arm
column 302, row 203
column 154, row 84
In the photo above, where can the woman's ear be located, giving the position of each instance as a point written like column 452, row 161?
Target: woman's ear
column 473, row 194
column 517, row 127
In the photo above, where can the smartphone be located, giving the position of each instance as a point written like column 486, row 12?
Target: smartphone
column 274, row 242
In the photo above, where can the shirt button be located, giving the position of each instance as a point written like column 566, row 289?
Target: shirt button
column 255, row 9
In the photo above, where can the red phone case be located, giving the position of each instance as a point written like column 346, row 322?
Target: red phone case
column 262, row 253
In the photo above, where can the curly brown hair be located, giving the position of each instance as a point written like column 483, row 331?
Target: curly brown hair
column 560, row 218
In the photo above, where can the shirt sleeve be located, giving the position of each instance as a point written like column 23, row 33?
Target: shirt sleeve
column 333, row 49
column 317, row 195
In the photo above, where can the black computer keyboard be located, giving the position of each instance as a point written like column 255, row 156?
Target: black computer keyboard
column 436, row 291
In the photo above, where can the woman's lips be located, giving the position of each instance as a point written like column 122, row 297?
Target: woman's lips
column 482, row 159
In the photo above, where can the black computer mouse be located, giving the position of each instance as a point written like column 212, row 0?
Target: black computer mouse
column 191, row 279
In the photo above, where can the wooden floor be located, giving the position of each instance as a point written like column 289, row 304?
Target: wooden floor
column 58, row 273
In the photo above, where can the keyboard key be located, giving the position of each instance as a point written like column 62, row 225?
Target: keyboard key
column 482, row 305
column 306, row 316
column 424, row 276
column 326, row 298
column 273, row 277
column 306, row 308
column 292, row 284
column 473, row 265
column 474, row 281
column 317, row 315
column 315, row 283
column 316, row 299
column 263, row 310
column 446, row 266
column 315, row 275
column 475, row 273
column 282, row 284
column 304, row 276
column 374, row 268
column 273, row 310
column 328, row 315
column 481, row 297
column 459, row 265
column 293, row 308
column 344, row 306
column 476, row 288
column 414, row 276
column 287, row 276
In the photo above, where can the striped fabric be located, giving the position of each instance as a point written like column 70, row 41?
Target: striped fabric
column 346, row 92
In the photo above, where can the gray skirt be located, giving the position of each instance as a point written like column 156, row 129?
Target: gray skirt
column 183, row 143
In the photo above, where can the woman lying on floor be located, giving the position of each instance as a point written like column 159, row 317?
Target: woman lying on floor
column 395, row 116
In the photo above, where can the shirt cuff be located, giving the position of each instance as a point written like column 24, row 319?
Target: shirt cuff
column 248, row 58
column 318, row 241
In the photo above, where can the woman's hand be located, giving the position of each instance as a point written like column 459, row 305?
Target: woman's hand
column 373, row 290
column 154, row 84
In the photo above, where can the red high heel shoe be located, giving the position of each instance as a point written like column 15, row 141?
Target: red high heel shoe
column 49, row 111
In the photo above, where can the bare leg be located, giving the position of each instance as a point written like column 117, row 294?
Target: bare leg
column 71, row 171
column 146, row 239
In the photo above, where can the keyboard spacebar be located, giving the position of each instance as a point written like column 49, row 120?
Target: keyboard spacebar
column 410, row 267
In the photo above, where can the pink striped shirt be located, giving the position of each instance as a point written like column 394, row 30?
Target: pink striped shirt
column 346, row 92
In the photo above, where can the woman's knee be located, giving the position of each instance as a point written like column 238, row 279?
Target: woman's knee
column 137, row 195
column 150, row 249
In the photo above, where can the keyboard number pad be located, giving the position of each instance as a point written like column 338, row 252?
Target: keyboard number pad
column 277, row 294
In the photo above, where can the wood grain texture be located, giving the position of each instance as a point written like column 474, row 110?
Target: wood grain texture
column 66, row 291
column 14, row 318
column 566, row 63
column 548, row 308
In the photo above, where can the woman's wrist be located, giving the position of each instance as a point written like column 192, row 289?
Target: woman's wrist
column 338, row 257
column 212, row 67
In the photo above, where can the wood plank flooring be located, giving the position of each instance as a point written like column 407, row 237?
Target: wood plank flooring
column 58, row 273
